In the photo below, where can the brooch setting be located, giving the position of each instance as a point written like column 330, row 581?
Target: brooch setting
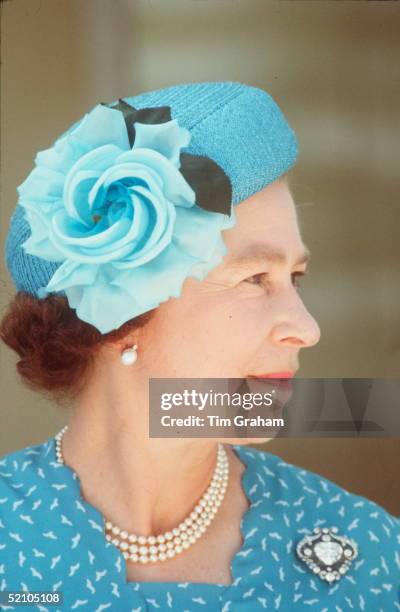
column 326, row 553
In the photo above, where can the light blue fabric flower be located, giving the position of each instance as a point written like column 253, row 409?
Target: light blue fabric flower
column 122, row 220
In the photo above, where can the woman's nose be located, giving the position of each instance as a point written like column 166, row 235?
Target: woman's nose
column 295, row 325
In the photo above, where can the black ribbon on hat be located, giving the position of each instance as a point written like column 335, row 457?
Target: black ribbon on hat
column 211, row 185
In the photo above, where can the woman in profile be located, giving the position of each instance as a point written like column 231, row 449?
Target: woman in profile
column 158, row 238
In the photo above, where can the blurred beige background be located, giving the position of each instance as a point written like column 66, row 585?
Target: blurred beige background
column 333, row 68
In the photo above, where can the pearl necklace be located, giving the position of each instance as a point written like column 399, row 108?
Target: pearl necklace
column 145, row 549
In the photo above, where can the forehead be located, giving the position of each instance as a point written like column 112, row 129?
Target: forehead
column 266, row 221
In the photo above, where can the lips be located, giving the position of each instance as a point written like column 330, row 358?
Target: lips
column 272, row 382
column 281, row 381
column 286, row 374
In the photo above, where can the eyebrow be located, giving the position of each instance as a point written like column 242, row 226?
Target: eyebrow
column 264, row 253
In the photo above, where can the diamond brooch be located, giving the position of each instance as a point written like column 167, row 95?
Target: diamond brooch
column 327, row 554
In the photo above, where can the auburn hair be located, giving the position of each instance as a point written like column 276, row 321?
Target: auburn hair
column 56, row 349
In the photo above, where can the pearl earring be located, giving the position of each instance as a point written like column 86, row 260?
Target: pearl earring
column 129, row 356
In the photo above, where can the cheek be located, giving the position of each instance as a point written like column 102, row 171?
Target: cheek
column 228, row 330
column 213, row 336
column 249, row 311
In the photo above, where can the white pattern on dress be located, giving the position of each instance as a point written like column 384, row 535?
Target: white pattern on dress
column 51, row 539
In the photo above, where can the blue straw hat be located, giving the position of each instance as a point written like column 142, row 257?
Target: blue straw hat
column 132, row 198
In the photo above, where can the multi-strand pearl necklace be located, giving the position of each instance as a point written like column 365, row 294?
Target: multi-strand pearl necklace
column 145, row 549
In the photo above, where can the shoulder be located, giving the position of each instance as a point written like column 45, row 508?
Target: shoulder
column 22, row 472
column 291, row 485
column 308, row 500
column 25, row 498
column 21, row 467
column 29, row 479
column 278, row 475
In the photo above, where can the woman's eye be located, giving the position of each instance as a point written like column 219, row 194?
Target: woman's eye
column 258, row 279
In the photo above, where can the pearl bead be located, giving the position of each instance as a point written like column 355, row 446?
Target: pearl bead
column 129, row 357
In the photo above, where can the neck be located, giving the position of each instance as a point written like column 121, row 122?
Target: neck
column 144, row 485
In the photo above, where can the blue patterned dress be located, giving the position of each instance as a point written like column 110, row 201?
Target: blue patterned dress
column 51, row 539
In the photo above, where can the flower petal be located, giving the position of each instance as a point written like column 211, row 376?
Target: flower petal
column 202, row 268
column 38, row 243
column 42, row 183
column 101, row 126
column 105, row 306
column 216, row 255
column 166, row 138
column 160, row 278
column 74, row 296
column 175, row 187
column 98, row 245
column 229, row 220
column 71, row 274
column 62, row 155
column 157, row 240
column 197, row 230
column 161, row 219
column 81, row 178
column 129, row 174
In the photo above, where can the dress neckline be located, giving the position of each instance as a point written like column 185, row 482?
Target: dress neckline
column 239, row 566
